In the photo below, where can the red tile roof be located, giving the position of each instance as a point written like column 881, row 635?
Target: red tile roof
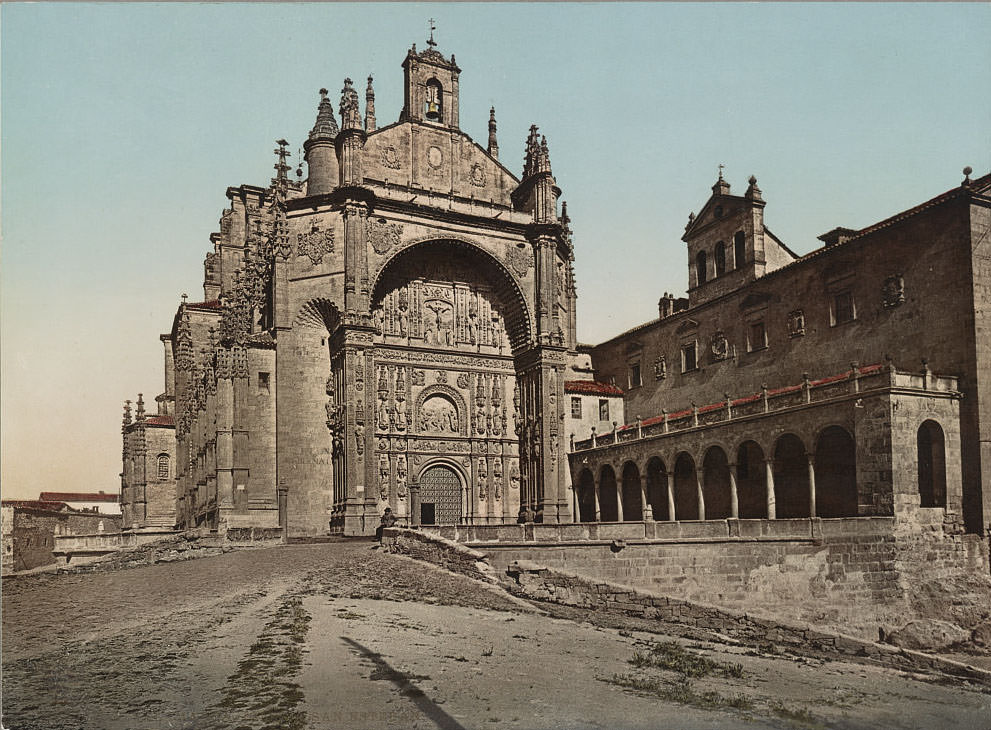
column 591, row 387
column 79, row 497
column 209, row 304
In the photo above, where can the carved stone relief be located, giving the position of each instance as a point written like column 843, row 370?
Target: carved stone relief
column 390, row 158
column 384, row 236
column 660, row 368
column 893, row 291
column 796, row 323
column 719, row 346
column 439, row 415
column 315, row 244
column 519, row 259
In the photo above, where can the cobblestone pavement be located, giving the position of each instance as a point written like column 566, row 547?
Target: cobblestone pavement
column 341, row 635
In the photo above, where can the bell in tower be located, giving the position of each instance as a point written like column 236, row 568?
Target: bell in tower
column 432, row 108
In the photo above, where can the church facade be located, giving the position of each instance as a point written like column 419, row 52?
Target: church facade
column 394, row 331
column 398, row 330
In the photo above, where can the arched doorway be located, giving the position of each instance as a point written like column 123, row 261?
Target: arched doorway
column 932, row 465
column 751, row 484
column 791, row 478
column 686, row 502
column 632, row 506
column 657, row 488
column 586, row 497
column 715, row 487
column 608, row 508
column 440, row 496
column 836, row 474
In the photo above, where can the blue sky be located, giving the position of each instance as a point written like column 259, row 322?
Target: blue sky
column 123, row 124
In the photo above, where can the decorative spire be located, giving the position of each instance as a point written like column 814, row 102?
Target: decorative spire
column 369, row 107
column 753, row 192
column 350, row 114
column 431, row 42
column 565, row 223
column 326, row 126
column 139, row 412
column 126, row 421
column 184, row 343
column 281, row 182
column 532, row 152
column 721, row 187
column 544, row 160
column 493, row 143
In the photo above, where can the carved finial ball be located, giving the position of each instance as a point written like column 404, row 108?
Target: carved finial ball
column 967, row 170
column 323, row 93
column 753, row 180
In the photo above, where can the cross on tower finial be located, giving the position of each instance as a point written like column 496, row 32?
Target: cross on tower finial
column 433, row 27
column 721, row 171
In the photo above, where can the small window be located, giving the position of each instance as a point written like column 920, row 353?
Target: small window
column 739, row 249
column 701, row 263
column 163, row 466
column 635, row 380
column 263, row 380
column 603, row 409
column 689, row 358
column 844, row 309
column 576, row 407
column 757, row 337
column 720, row 258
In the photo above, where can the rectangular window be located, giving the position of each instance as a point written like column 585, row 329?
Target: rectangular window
column 757, row 337
column 689, row 358
column 844, row 309
column 635, row 381
column 263, row 383
column 603, row 409
column 576, row 407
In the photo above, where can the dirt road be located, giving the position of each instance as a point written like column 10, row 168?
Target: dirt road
column 342, row 636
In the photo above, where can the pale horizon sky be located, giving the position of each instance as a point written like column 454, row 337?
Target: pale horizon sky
column 123, row 124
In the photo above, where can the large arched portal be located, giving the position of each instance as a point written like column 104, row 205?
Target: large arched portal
column 440, row 496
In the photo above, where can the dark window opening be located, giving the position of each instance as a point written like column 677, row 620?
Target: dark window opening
column 932, row 465
column 739, row 249
column 701, row 264
column 843, row 308
column 720, row 258
column 689, row 358
column 635, row 381
column 758, row 336
column 263, row 380
column 576, row 407
column 603, row 410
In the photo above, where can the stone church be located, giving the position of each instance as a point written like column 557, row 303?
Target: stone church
column 395, row 330
column 398, row 330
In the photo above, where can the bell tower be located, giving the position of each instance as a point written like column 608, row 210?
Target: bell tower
column 431, row 83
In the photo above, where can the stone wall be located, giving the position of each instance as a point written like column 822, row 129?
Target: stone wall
column 547, row 584
column 858, row 575
column 438, row 550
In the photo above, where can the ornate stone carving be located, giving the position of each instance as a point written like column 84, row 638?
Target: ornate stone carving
column 719, row 346
column 519, row 259
column 497, row 478
column 893, row 291
column 660, row 368
column 439, row 415
column 463, row 380
column 435, row 158
column 384, row 236
column 390, row 158
column 796, row 323
column 315, row 244
column 417, row 377
column 514, row 475
column 441, row 376
column 402, row 476
column 477, row 176
column 359, row 439
column 383, row 477
column 483, row 480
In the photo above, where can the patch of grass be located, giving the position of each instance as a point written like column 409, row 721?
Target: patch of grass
column 800, row 716
column 672, row 656
column 488, row 652
column 348, row 615
column 680, row 691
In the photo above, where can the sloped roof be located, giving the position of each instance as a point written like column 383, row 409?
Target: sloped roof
column 79, row 497
column 591, row 387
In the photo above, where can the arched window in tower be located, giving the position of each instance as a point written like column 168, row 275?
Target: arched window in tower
column 434, row 105
column 720, row 258
column 701, row 264
column 163, row 466
column 739, row 249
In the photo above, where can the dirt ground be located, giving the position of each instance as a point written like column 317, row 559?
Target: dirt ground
column 341, row 635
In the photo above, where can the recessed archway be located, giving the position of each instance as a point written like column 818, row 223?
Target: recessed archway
column 716, row 486
column 686, row 503
column 931, row 448
column 657, row 488
column 632, row 505
column 751, row 481
column 791, row 477
column 836, row 474
column 608, row 507
column 586, row 496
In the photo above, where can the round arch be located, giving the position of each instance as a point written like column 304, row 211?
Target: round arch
column 751, row 481
column 791, row 477
column 586, row 496
column 608, row 506
column 836, row 473
column 402, row 263
column 657, row 488
column 318, row 313
column 686, row 505
column 444, row 497
column 715, row 484
column 931, row 451
column 632, row 504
